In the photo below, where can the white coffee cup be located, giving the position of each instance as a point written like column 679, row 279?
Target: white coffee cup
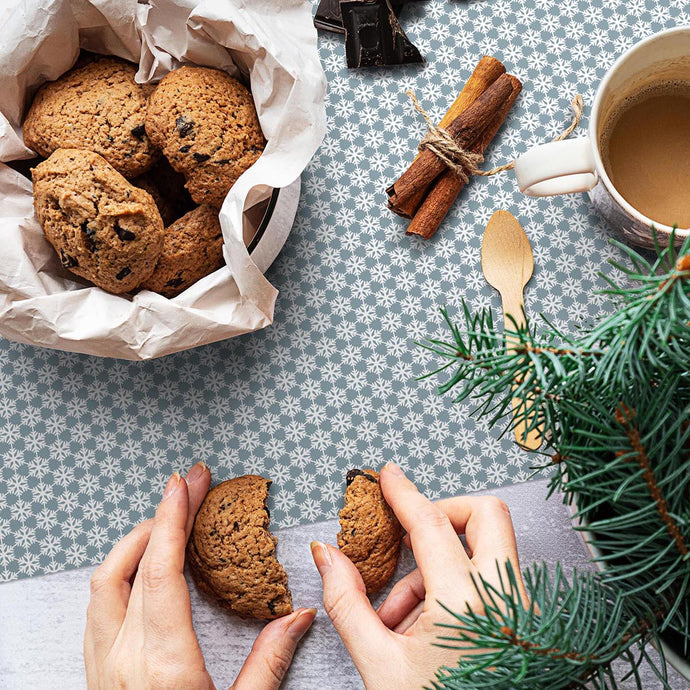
column 575, row 165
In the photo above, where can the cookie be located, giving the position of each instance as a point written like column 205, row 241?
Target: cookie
column 95, row 106
column 232, row 555
column 192, row 248
column 102, row 227
column 206, row 124
column 370, row 533
column 167, row 189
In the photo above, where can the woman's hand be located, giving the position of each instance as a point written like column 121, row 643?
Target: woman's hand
column 393, row 647
column 139, row 630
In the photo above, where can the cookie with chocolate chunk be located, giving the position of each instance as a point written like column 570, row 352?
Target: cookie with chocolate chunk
column 232, row 555
column 102, row 227
column 370, row 534
column 206, row 124
column 96, row 106
column 192, row 248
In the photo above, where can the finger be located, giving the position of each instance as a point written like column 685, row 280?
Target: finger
column 489, row 531
column 272, row 652
column 344, row 597
column 110, row 589
column 166, row 610
column 404, row 596
column 410, row 619
column 437, row 549
column 198, row 482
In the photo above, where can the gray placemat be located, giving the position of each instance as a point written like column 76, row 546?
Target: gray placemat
column 87, row 444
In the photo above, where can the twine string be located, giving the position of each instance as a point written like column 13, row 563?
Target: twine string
column 466, row 163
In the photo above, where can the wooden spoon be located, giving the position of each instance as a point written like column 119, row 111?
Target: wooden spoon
column 508, row 263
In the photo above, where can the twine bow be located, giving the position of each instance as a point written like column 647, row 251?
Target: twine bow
column 465, row 163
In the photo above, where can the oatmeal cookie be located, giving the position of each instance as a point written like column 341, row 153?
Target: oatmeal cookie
column 102, row 227
column 370, row 534
column 192, row 248
column 206, row 124
column 232, row 555
column 95, row 106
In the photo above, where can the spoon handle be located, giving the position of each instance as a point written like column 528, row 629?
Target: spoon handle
column 513, row 306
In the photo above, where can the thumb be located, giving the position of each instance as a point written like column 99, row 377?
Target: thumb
column 345, row 601
column 271, row 654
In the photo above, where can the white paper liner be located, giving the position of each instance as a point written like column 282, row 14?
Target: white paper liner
column 272, row 43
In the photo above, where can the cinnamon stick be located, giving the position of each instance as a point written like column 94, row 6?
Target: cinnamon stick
column 448, row 185
column 466, row 129
column 486, row 72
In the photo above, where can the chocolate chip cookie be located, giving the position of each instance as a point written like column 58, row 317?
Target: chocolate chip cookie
column 192, row 248
column 370, row 533
column 232, row 555
column 95, row 106
column 206, row 124
column 102, row 227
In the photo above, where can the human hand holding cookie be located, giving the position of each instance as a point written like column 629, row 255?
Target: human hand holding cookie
column 139, row 631
column 394, row 647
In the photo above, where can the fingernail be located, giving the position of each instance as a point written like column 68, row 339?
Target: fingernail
column 197, row 472
column 301, row 624
column 321, row 556
column 172, row 485
column 392, row 468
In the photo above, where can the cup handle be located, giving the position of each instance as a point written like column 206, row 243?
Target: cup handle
column 560, row 167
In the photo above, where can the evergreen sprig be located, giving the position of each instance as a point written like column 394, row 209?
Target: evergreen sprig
column 568, row 636
column 613, row 404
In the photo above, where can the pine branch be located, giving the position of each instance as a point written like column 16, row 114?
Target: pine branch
column 568, row 636
column 615, row 405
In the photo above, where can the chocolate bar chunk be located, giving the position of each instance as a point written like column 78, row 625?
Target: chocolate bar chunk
column 373, row 35
column 328, row 15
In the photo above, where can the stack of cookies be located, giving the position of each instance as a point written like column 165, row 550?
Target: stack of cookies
column 134, row 174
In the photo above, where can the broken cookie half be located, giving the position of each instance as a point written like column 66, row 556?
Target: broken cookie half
column 370, row 534
column 232, row 554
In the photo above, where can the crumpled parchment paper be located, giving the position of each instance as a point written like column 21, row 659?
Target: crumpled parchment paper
column 271, row 43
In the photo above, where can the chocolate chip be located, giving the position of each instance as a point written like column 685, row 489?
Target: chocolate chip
column 89, row 234
column 350, row 477
column 184, row 126
column 201, row 157
column 124, row 273
column 174, row 282
column 139, row 132
column 272, row 607
column 124, row 234
column 185, row 148
column 67, row 261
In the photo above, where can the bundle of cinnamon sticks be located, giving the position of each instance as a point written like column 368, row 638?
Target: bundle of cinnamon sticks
column 427, row 190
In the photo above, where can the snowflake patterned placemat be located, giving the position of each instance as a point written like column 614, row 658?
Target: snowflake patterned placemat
column 87, row 444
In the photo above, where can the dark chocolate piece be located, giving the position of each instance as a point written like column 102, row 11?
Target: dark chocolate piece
column 67, row 261
column 139, row 132
column 124, row 273
column 329, row 18
column 201, row 157
column 184, row 126
column 373, row 35
column 123, row 233
column 351, row 474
